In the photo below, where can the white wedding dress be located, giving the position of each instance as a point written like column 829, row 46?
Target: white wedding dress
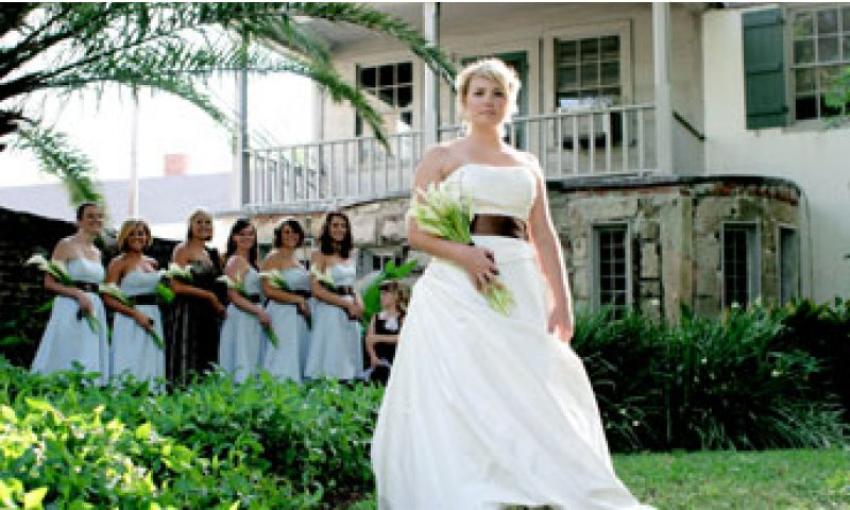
column 482, row 410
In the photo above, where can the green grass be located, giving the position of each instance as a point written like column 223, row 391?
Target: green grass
column 768, row 480
column 777, row 479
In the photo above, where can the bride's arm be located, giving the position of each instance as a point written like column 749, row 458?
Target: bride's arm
column 551, row 260
column 478, row 262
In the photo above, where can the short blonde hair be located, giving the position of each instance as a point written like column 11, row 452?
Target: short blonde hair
column 127, row 228
column 199, row 211
column 492, row 69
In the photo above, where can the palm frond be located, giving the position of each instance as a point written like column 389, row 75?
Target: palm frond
column 58, row 157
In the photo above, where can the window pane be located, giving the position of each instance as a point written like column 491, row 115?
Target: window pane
column 386, row 76
column 405, row 96
column 827, row 49
column 804, row 51
column 589, row 74
column 803, row 24
column 827, row 76
column 806, row 108
column 828, row 21
column 611, row 92
column 367, row 77
column 826, row 110
column 405, row 73
column 589, row 49
column 567, row 52
column 610, row 73
column 407, row 118
column 567, row 78
column 386, row 96
column 805, row 81
column 610, row 48
column 846, row 16
column 847, row 46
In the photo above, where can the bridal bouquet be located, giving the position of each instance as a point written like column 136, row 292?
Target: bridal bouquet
column 112, row 290
column 239, row 286
column 440, row 214
column 59, row 272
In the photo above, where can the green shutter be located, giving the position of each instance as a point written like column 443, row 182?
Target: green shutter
column 764, row 70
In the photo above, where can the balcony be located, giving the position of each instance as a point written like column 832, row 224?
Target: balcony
column 617, row 140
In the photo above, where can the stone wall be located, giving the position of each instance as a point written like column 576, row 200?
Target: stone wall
column 674, row 227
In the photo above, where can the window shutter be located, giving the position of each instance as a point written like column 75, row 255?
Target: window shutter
column 764, row 69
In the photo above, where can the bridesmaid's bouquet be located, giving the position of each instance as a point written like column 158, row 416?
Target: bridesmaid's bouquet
column 112, row 290
column 325, row 278
column 177, row 272
column 438, row 213
column 239, row 286
column 162, row 289
column 276, row 280
column 59, row 272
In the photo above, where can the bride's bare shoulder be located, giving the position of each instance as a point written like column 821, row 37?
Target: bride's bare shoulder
column 438, row 161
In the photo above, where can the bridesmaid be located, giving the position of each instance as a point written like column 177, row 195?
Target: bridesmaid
column 289, row 310
column 384, row 328
column 194, row 332
column 133, row 349
column 68, row 338
column 335, row 348
column 242, row 334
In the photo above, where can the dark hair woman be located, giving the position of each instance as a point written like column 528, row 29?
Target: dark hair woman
column 242, row 336
column 289, row 304
column 335, row 348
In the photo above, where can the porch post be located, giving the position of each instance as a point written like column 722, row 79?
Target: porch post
column 430, row 86
column 242, row 177
column 663, row 106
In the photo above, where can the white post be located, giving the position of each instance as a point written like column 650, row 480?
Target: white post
column 243, row 194
column 133, row 205
column 430, row 89
column 663, row 106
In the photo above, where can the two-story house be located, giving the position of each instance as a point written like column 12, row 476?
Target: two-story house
column 687, row 147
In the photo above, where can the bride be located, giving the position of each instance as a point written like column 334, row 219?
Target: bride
column 483, row 410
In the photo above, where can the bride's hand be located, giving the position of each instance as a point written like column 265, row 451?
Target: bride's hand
column 561, row 324
column 481, row 266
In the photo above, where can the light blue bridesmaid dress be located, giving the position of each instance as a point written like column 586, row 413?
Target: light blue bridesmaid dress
column 68, row 339
column 242, row 335
column 133, row 349
column 287, row 360
column 335, row 347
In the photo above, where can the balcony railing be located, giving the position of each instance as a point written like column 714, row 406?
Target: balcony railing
column 608, row 141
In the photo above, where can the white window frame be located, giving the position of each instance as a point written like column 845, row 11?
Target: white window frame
column 753, row 261
column 620, row 28
column 377, row 61
column 779, row 260
column 596, row 273
column 789, row 13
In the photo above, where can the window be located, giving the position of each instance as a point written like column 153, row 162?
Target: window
column 587, row 69
column 612, row 277
column 789, row 264
column 393, row 85
column 740, row 264
column 820, row 50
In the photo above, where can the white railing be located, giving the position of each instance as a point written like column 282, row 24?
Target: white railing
column 607, row 141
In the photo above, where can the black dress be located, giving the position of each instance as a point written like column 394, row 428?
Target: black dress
column 193, row 338
column 383, row 350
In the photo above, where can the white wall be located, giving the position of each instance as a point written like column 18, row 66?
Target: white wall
column 812, row 156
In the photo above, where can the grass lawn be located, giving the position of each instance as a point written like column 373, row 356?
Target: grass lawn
column 781, row 479
column 798, row 479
